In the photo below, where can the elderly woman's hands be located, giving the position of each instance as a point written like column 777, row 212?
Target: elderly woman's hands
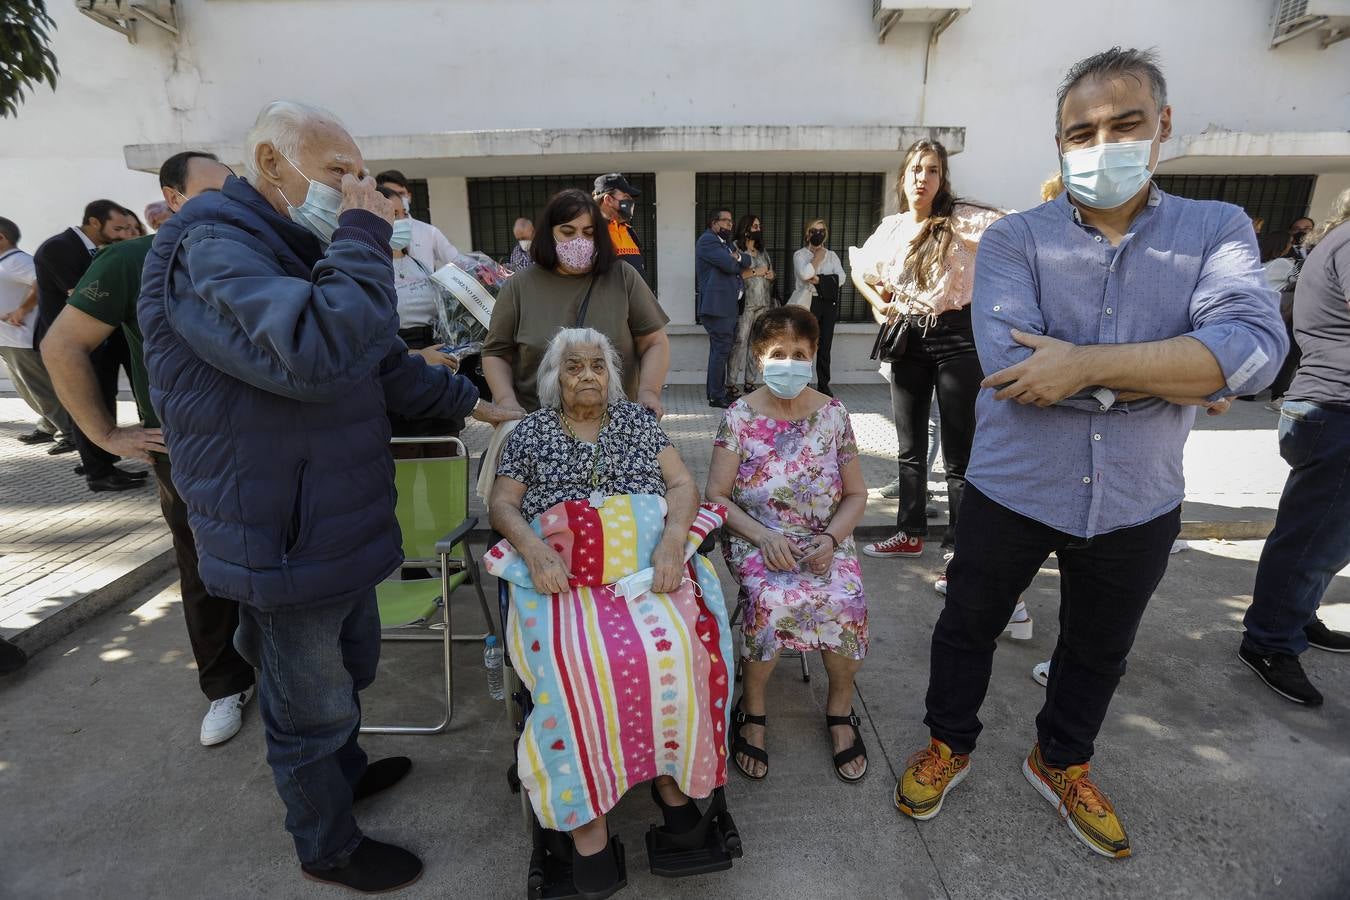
column 546, row 568
column 818, row 555
column 779, row 553
column 668, row 561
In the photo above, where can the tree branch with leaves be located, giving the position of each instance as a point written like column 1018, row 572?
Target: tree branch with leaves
column 26, row 57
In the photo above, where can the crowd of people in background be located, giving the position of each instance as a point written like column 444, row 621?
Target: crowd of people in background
column 303, row 293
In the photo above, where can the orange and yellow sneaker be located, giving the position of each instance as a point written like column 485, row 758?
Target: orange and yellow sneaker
column 1080, row 803
column 929, row 775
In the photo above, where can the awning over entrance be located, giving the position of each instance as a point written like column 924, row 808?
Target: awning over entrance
column 708, row 148
column 1257, row 153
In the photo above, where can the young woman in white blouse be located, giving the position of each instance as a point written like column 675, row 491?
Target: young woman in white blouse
column 820, row 275
column 919, row 265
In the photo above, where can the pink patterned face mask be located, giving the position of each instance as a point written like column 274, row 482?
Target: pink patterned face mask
column 578, row 254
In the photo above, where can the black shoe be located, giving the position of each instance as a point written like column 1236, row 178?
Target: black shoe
column 138, row 474
column 677, row 819
column 720, row 403
column 597, row 876
column 1323, row 638
column 65, row 445
column 381, row 775
column 1282, row 673
column 12, row 658
column 114, row 482
column 373, row 868
column 36, row 436
column 892, row 490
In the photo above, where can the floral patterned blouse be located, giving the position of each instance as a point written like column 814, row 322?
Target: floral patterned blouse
column 555, row 467
column 881, row 260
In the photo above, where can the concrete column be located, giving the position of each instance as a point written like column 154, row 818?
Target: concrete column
column 675, row 235
column 449, row 199
column 1328, row 187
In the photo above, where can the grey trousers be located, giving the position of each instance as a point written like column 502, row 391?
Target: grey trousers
column 35, row 387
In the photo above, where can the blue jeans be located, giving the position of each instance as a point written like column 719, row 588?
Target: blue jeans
column 721, row 336
column 1311, row 539
column 313, row 665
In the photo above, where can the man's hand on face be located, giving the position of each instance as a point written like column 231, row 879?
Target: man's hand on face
column 1054, row 370
column 361, row 194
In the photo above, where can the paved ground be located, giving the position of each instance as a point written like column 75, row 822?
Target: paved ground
column 1228, row 791
column 58, row 541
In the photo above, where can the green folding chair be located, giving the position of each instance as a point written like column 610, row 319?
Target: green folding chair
column 433, row 513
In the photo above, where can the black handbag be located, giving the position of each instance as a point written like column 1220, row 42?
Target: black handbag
column 892, row 338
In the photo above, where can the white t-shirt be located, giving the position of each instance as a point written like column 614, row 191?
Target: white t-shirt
column 418, row 296
column 16, row 278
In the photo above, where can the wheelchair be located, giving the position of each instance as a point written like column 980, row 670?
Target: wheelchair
column 710, row 847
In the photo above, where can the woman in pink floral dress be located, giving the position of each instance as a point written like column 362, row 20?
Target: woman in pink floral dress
column 785, row 464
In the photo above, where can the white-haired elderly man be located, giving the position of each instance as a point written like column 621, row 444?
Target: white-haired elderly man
column 271, row 343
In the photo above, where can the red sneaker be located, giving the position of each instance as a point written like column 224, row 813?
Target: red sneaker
column 899, row 544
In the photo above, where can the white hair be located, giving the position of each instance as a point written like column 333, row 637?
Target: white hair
column 282, row 123
column 548, row 381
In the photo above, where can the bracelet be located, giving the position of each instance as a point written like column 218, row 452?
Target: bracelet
column 833, row 539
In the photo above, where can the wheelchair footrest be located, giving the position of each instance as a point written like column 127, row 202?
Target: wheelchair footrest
column 550, row 875
column 708, row 848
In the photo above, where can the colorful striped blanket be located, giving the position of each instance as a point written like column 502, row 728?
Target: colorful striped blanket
column 625, row 687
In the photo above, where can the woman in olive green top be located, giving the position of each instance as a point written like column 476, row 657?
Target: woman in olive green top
column 577, row 280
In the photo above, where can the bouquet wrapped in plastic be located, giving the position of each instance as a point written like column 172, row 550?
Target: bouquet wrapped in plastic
column 469, row 288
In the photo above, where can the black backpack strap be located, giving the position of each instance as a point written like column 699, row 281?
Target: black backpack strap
column 585, row 303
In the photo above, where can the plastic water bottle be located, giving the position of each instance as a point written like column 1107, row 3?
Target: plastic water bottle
column 492, row 661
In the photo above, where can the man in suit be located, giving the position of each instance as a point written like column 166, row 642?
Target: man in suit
column 60, row 262
column 717, row 273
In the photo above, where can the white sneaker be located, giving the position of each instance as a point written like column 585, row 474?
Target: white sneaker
column 1019, row 626
column 1040, row 673
column 1177, row 546
column 224, row 718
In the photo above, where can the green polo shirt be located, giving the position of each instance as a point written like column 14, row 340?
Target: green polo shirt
column 108, row 292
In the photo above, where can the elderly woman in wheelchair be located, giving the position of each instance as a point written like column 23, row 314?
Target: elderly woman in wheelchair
column 616, row 626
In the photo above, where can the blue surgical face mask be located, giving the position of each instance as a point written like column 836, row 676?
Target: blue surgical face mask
column 319, row 212
column 1108, row 175
column 402, row 235
column 786, row 378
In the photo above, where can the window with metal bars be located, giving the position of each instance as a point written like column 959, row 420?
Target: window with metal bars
column 1277, row 199
column 496, row 203
column 421, row 199
column 851, row 202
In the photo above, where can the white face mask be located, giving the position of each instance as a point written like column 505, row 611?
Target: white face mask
column 319, row 211
column 524, row 243
column 1108, row 175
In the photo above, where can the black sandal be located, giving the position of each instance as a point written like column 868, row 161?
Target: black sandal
column 844, row 757
column 741, row 747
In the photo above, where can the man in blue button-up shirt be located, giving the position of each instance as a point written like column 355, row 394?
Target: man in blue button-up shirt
column 1104, row 319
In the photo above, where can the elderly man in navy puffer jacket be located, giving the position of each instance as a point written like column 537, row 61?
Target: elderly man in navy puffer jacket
column 271, row 340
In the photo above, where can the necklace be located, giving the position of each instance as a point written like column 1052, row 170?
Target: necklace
column 597, row 497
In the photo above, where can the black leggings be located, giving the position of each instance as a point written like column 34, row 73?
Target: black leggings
column 944, row 359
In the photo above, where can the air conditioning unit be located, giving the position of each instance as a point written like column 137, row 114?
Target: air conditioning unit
column 1294, row 18
column 938, row 15
column 122, row 15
